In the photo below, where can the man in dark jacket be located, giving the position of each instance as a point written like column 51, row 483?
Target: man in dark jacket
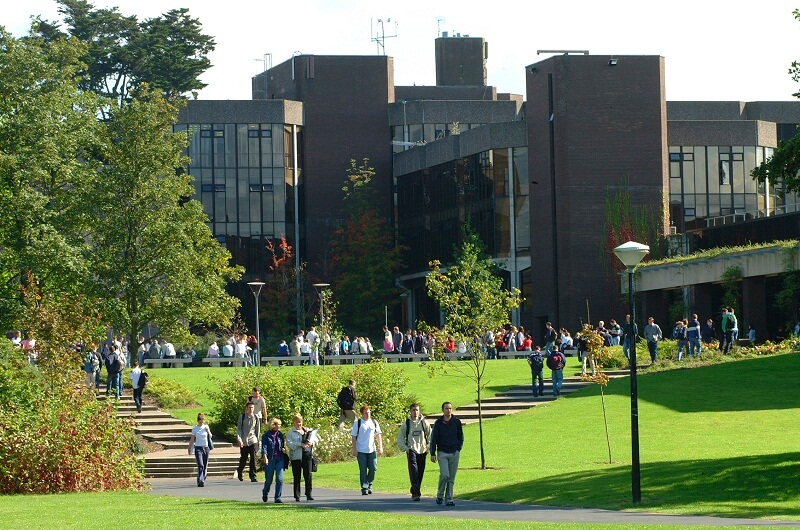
column 447, row 438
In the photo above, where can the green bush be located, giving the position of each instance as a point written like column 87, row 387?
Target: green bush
column 167, row 393
column 55, row 436
column 311, row 391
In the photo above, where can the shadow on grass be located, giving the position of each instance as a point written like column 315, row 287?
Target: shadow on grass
column 763, row 486
column 766, row 383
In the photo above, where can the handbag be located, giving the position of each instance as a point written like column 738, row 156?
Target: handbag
column 314, row 464
column 210, row 443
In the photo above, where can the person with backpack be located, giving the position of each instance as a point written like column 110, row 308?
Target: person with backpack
column 550, row 337
column 248, row 435
column 91, row 365
column 412, row 439
column 113, row 368
column 138, row 381
column 730, row 328
column 556, row 361
column 536, row 362
column 367, row 445
column 347, row 402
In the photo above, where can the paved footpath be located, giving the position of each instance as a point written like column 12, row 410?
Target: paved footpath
column 234, row 490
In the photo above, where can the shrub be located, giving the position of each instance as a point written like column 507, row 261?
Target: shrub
column 311, row 391
column 57, row 437
column 168, row 393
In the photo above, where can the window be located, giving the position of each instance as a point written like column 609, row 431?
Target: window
column 255, row 187
column 206, row 188
column 674, row 157
column 252, row 134
column 219, row 187
column 724, row 172
column 266, row 133
column 266, row 187
column 205, row 134
column 219, row 134
column 221, row 238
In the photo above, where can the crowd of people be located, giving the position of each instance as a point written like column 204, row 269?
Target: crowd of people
column 257, row 434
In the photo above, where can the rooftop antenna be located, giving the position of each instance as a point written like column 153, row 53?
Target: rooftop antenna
column 267, row 64
column 439, row 21
column 380, row 34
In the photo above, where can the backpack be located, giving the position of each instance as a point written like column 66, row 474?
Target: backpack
column 555, row 361
column 536, row 361
column 144, row 380
column 408, row 430
column 731, row 322
column 345, row 399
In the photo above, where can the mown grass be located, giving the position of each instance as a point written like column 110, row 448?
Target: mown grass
column 89, row 511
column 719, row 439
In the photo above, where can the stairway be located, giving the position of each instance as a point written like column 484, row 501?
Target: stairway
column 519, row 398
column 173, row 435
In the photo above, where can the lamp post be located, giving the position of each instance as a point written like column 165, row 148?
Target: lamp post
column 256, row 288
column 320, row 287
column 631, row 254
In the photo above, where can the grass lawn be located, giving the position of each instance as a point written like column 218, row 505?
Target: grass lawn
column 715, row 440
column 89, row 511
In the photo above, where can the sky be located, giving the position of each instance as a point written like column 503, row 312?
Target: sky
column 714, row 50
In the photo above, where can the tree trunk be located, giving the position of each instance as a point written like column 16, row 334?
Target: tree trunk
column 480, row 426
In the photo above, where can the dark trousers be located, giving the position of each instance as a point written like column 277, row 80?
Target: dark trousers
column 728, row 341
column 305, row 466
column 244, row 452
column 416, row 470
column 537, row 390
column 137, row 397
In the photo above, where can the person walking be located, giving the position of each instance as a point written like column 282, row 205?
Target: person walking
column 138, row 385
column 629, row 333
column 273, row 447
column 248, row 434
column 447, row 439
column 200, row 444
column 693, row 333
column 367, row 445
column 556, row 362
column 550, row 337
column 259, row 406
column 412, row 439
column 347, row 402
column 652, row 334
column 536, row 362
column 300, row 453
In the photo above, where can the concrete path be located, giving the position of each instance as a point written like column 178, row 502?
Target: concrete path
column 233, row 490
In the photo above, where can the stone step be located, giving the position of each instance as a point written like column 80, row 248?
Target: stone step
column 192, row 473
column 175, row 428
column 503, row 406
column 215, row 457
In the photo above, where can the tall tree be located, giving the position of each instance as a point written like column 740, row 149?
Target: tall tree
column 365, row 256
column 470, row 294
column 784, row 164
column 47, row 130
column 153, row 258
column 169, row 52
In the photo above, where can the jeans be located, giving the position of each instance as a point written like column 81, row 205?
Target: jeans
column 416, row 470
column 626, row 347
column 448, row 465
column 682, row 345
column 201, row 457
column 273, row 468
column 549, row 346
column 137, row 397
column 694, row 346
column 653, row 347
column 537, row 374
column 303, row 465
column 558, row 380
column 367, row 465
column 119, row 384
column 244, row 452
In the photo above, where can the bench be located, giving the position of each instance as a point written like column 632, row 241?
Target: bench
column 217, row 361
column 176, row 362
column 400, row 357
column 513, row 354
column 287, row 360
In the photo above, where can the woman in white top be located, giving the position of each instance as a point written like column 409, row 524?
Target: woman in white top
column 200, row 444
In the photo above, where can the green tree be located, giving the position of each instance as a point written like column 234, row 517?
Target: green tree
column 784, row 164
column 47, row 131
column 167, row 52
column 365, row 256
column 470, row 294
column 153, row 258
